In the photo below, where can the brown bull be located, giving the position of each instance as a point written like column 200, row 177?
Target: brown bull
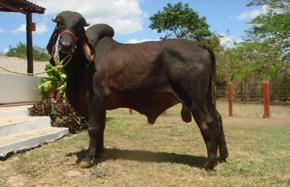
column 149, row 77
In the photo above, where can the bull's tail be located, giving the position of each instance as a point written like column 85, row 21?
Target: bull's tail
column 212, row 83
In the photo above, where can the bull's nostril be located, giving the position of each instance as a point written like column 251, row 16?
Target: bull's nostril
column 65, row 47
column 65, row 44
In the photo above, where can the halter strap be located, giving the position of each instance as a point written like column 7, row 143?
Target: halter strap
column 69, row 32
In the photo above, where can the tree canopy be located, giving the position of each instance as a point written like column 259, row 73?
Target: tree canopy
column 272, row 28
column 266, row 51
column 273, row 4
column 180, row 21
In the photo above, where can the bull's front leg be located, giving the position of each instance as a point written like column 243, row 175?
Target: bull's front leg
column 96, row 127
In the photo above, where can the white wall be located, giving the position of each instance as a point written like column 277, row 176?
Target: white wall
column 18, row 88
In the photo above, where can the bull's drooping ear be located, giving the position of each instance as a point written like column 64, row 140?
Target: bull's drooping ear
column 89, row 50
column 51, row 45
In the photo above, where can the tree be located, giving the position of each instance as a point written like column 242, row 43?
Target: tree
column 250, row 62
column 266, row 51
column 265, row 54
column 272, row 28
column 180, row 21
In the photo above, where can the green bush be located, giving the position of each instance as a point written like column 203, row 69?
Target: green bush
column 19, row 51
column 54, row 85
column 54, row 103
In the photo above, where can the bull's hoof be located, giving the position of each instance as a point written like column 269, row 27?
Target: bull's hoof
column 85, row 164
column 223, row 157
column 210, row 165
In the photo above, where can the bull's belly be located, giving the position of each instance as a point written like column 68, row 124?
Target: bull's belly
column 151, row 104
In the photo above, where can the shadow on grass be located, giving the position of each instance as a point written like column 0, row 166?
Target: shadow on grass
column 145, row 156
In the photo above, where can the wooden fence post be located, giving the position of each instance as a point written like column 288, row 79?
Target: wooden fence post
column 266, row 96
column 230, row 98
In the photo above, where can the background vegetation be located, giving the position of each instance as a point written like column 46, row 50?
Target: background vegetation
column 54, row 102
column 19, row 51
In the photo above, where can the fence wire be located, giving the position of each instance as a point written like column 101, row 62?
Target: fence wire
column 254, row 93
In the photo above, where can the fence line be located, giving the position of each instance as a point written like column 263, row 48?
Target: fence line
column 263, row 95
column 255, row 93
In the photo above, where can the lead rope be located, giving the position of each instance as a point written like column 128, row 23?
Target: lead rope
column 63, row 63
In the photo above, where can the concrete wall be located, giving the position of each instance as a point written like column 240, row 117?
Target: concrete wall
column 18, row 88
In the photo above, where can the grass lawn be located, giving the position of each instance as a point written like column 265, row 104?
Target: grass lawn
column 168, row 153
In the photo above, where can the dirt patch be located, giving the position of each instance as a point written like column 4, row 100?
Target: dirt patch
column 251, row 122
column 16, row 181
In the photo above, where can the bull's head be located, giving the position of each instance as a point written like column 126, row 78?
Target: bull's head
column 70, row 32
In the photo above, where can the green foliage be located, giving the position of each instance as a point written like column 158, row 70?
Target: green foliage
column 253, row 60
column 41, row 108
column 273, row 4
column 60, row 112
column 180, row 21
column 40, row 54
column 20, row 52
column 265, row 53
column 272, row 28
column 53, row 88
column 54, row 83
column 63, row 115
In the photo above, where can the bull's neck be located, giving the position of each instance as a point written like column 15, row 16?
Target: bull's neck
column 78, row 61
column 78, row 79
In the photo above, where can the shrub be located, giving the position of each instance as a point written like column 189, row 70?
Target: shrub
column 54, row 103
column 54, row 85
column 19, row 51
column 61, row 114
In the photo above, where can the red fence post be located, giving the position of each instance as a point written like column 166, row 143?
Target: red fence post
column 130, row 111
column 230, row 98
column 266, row 96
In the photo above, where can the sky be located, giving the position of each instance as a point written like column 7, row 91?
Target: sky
column 129, row 18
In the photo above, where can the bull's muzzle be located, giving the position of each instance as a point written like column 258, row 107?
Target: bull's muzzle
column 67, row 42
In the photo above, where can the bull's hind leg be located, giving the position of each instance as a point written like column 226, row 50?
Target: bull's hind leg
column 223, row 150
column 208, row 129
